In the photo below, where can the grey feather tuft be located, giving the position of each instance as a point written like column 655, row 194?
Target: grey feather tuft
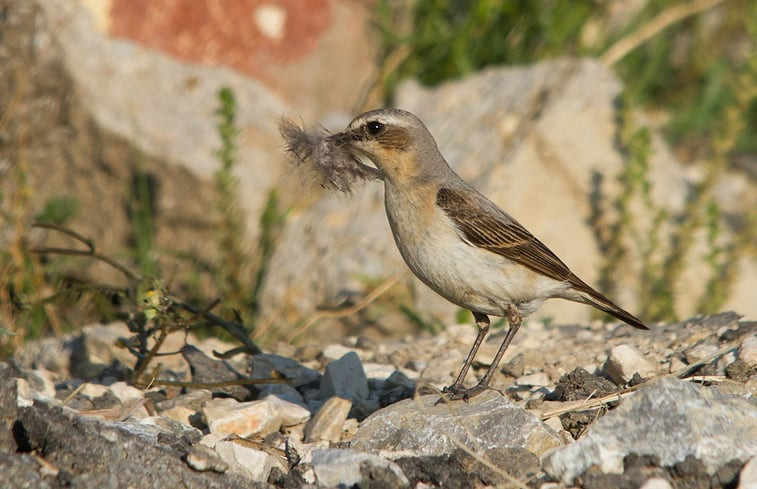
column 327, row 155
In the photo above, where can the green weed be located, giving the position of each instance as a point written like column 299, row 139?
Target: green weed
column 240, row 277
column 142, row 222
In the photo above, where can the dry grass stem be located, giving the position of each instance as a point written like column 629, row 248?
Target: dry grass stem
column 147, row 382
column 116, row 413
column 310, row 321
column 73, row 393
column 667, row 17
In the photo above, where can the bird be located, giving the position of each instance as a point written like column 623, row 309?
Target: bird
column 457, row 241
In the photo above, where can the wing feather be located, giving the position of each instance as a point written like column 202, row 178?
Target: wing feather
column 484, row 225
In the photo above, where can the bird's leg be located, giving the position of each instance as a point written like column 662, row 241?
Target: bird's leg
column 515, row 320
column 482, row 322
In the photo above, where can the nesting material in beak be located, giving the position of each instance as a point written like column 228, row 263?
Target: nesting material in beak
column 329, row 155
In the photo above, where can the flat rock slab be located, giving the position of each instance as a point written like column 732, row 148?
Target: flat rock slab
column 89, row 452
column 421, row 427
column 254, row 418
column 669, row 420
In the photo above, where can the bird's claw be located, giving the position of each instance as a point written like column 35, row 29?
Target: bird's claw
column 458, row 392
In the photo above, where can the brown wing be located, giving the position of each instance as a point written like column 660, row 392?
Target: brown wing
column 484, row 225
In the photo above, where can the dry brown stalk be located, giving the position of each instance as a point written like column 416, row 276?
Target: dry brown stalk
column 664, row 19
column 317, row 316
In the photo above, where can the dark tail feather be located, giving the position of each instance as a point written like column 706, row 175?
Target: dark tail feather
column 619, row 313
column 596, row 299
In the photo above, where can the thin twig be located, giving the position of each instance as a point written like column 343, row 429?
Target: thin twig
column 94, row 254
column 207, row 385
column 667, row 17
column 64, row 230
column 73, row 393
column 236, row 330
column 261, row 330
column 142, row 363
column 684, row 371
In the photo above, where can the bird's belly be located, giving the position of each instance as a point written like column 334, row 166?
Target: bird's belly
column 471, row 277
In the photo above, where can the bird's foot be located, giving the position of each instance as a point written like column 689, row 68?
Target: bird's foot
column 457, row 392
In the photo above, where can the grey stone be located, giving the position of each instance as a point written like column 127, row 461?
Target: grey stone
column 255, row 464
column 700, row 352
column 345, row 378
column 399, row 379
column 265, row 366
column 499, row 467
column 135, row 456
column 378, row 372
column 125, row 392
column 441, row 370
column 51, row 354
column 96, row 349
column 283, row 391
column 671, row 420
column 24, row 471
column 748, row 350
column 335, row 467
column 175, row 428
column 422, row 427
column 193, row 399
column 538, row 379
column 206, row 370
column 624, row 361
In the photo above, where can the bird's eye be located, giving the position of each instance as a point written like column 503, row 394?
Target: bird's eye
column 374, row 127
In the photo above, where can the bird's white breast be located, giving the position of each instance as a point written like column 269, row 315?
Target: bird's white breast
column 464, row 274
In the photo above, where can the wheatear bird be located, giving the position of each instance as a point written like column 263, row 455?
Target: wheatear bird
column 457, row 241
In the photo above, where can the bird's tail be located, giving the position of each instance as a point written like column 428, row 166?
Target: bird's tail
column 594, row 298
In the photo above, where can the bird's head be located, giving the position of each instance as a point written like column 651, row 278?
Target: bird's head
column 396, row 142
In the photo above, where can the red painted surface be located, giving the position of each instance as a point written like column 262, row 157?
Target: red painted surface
column 221, row 31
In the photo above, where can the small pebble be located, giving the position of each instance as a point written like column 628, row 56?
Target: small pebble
column 656, row 483
column 625, row 360
column 748, row 351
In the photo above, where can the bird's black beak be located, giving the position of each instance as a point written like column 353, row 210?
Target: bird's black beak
column 341, row 139
column 344, row 140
